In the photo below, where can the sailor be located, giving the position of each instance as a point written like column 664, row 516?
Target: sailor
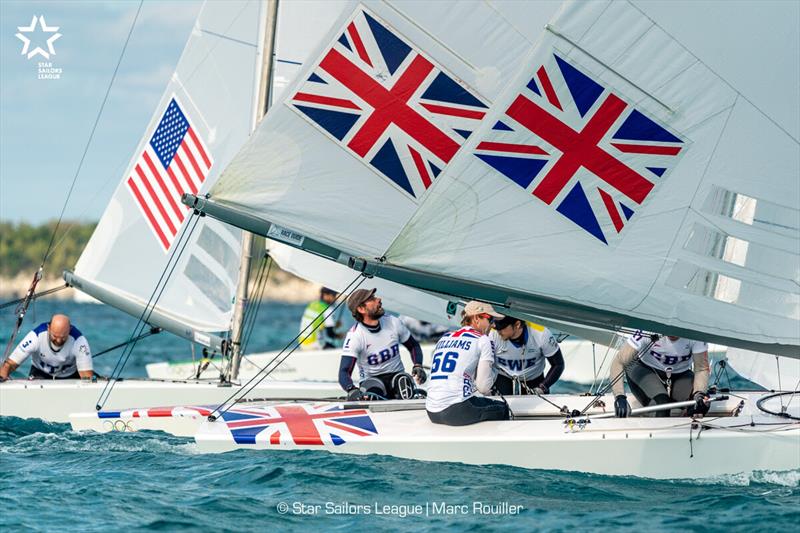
column 463, row 362
column 659, row 370
column 57, row 351
column 521, row 350
column 322, row 333
column 374, row 343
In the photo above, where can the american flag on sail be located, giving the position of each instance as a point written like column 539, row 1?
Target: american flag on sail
column 302, row 425
column 581, row 148
column 174, row 161
column 388, row 104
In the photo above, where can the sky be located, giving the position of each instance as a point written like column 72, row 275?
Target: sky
column 45, row 124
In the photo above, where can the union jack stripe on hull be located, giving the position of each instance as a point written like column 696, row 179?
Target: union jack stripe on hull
column 578, row 146
column 388, row 104
column 298, row 424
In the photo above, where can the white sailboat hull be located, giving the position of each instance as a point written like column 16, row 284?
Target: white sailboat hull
column 647, row 447
column 323, row 365
column 53, row 401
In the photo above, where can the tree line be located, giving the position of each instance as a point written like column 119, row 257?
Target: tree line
column 22, row 246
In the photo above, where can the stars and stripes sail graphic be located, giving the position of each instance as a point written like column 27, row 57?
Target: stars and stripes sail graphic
column 298, row 424
column 388, row 104
column 174, row 161
column 580, row 147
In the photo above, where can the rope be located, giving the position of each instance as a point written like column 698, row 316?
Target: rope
column 152, row 331
column 150, row 306
column 22, row 309
column 222, row 408
column 604, row 390
column 35, row 296
column 91, row 135
column 783, row 413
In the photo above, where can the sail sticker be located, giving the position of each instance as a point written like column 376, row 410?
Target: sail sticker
column 286, row 235
column 581, row 148
column 298, row 424
column 388, row 104
column 174, row 161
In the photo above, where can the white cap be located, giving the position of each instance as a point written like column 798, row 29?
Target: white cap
column 478, row 308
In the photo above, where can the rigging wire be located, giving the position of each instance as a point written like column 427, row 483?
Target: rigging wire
column 91, row 134
column 248, row 319
column 149, row 307
column 23, row 306
column 279, row 358
column 153, row 331
column 35, row 296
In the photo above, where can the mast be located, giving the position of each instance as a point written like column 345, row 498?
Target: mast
column 267, row 46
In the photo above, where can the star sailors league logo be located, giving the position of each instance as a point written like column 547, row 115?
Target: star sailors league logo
column 388, row 104
column 174, row 161
column 580, row 148
column 298, row 424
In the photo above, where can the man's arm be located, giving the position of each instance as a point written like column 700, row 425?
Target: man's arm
column 486, row 372
column 556, row 362
column 625, row 356
column 83, row 358
column 346, row 366
column 8, row 367
column 701, row 371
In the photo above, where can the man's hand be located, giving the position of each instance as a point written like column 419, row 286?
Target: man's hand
column 354, row 394
column 541, row 389
column 621, row 406
column 419, row 374
column 701, row 404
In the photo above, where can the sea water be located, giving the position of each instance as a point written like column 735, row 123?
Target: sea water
column 52, row 478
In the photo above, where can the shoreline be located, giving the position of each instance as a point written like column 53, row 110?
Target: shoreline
column 282, row 287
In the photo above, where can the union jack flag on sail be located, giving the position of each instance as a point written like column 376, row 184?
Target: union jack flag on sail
column 302, row 425
column 388, row 104
column 580, row 147
column 174, row 161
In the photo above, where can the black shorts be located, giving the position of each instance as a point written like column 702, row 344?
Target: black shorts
column 505, row 385
column 471, row 411
column 36, row 373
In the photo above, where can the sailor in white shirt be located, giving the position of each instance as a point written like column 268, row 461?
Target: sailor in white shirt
column 659, row 370
column 463, row 363
column 521, row 350
column 57, row 351
column 374, row 343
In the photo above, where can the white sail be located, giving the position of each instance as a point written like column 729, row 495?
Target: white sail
column 634, row 233
column 608, row 178
column 396, row 298
column 212, row 92
column 772, row 372
column 354, row 192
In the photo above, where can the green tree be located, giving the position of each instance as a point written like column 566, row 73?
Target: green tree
column 22, row 246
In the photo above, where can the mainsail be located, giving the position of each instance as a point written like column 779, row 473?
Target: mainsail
column 589, row 164
column 203, row 118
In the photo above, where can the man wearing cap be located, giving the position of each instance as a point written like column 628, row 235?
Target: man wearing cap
column 322, row 331
column 521, row 350
column 463, row 362
column 374, row 343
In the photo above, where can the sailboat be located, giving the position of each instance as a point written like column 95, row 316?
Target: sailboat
column 133, row 249
column 634, row 225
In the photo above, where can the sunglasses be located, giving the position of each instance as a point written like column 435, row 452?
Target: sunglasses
column 488, row 317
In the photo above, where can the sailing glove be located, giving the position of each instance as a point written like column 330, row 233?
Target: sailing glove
column 541, row 389
column 419, row 374
column 701, row 404
column 621, row 406
column 354, row 394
